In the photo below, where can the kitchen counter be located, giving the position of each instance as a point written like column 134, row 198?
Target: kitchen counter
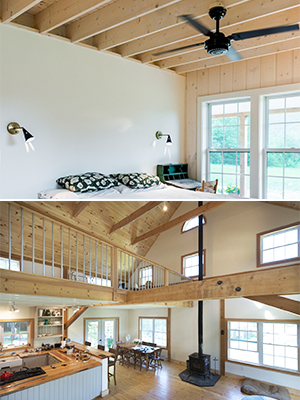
column 66, row 367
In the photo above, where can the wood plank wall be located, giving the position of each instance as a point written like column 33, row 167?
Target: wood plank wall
column 272, row 70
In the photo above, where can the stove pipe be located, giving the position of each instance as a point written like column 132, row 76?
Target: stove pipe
column 200, row 278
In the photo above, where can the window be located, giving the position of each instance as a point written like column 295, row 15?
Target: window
column 14, row 265
column 153, row 330
column 15, row 333
column 103, row 331
column 278, row 246
column 192, row 223
column 269, row 344
column 145, row 275
column 190, row 264
column 229, row 146
column 282, row 147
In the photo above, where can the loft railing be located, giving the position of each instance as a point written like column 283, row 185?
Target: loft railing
column 45, row 247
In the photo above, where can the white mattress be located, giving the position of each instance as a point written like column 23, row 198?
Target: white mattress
column 161, row 192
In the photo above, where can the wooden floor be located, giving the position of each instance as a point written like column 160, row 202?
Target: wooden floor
column 165, row 384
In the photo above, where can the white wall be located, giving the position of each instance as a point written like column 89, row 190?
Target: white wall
column 230, row 243
column 89, row 111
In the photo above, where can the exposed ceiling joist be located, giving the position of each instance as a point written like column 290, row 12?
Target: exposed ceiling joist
column 135, row 215
column 282, row 303
column 185, row 217
column 11, row 9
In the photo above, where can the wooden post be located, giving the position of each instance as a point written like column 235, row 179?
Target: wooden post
column 166, row 278
column 169, row 334
column 222, row 337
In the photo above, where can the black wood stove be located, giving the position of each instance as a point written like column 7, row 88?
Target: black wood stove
column 199, row 364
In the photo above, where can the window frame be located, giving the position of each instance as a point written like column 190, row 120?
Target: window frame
column 195, row 227
column 167, row 330
column 227, row 150
column 260, row 343
column 257, row 96
column 140, row 273
column 31, row 333
column 259, row 236
column 195, row 277
column 282, row 150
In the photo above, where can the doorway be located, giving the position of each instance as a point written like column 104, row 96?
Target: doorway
column 103, row 331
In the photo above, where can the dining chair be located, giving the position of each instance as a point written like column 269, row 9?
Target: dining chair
column 209, row 186
column 100, row 347
column 149, row 344
column 155, row 359
column 86, row 343
column 112, row 362
column 139, row 358
column 121, row 352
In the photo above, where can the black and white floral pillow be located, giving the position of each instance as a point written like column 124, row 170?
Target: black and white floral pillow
column 87, row 182
column 137, row 180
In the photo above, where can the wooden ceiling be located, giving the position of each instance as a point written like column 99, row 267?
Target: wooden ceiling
column 137, row 29
column 98, row 218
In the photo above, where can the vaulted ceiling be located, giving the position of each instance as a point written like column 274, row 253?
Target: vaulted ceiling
column 138, row 29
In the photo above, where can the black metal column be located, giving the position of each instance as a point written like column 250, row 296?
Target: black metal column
column 200, row 278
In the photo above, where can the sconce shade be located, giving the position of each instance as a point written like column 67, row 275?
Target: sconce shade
column 28, row 136
column 169, row 140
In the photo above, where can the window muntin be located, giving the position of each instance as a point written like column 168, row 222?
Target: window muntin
column 192, row 223
column 282, row 146
column 14, row 265
column 269, row 344
column 190, row 264
column 154, row 330
column 280, row 245
column 145, row 275
column 229, row 146
column 14, row 333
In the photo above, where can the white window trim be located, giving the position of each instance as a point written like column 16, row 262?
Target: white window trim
column 257, row 156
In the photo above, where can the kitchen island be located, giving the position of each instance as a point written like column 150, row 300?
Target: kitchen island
column 68, row 380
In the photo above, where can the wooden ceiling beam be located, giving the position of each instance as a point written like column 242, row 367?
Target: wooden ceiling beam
column 156, row 22
column 11, row 9
column 262, row 51
column 74, row 317
column 64, row 11
column 199, row 54
column 294, row 205
column 111, row 16
column 79, row 207
column 185, row 217
column 278, row 281
column 282, row 303
column 236, row 15
column 242, row 47
column 135, row 215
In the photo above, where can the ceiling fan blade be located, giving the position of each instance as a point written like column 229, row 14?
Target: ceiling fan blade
column 233, row 55
column 179, row 48
column 200, row 27
column 263, row 32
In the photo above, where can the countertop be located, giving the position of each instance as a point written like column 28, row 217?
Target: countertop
column 72, row 367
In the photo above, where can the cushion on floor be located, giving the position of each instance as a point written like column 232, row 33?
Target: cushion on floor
column 251, row 386
column 257, row 398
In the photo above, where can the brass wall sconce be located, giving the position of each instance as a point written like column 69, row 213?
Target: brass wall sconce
column 14, row 128
column 159, row 136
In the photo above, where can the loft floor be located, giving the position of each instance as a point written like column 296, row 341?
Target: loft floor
column 165, row 384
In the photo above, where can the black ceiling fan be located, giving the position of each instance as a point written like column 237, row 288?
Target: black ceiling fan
column 218, row 43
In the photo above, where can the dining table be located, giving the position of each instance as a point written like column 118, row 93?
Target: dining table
column 145, row 350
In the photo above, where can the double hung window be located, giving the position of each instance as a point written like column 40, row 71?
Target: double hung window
column 154, row 330
column 190, row 265
column 269, row 344
column 15, row 333
column 229, row 146
column 282, row 147
column 146, row 275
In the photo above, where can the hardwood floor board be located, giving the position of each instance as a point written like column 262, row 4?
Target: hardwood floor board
column 165, row 384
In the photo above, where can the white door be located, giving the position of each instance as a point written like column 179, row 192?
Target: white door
column 101, row 331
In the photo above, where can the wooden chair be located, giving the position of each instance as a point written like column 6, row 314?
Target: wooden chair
column 86, row 343
column 209, row 186
column 155, row 359
column 121, row 352
column 149, row 344
column 139, row 358
column 100, row 347
column 112, row 362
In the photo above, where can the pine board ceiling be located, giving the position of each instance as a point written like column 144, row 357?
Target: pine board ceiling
column 137, row 29
column 98, row 217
